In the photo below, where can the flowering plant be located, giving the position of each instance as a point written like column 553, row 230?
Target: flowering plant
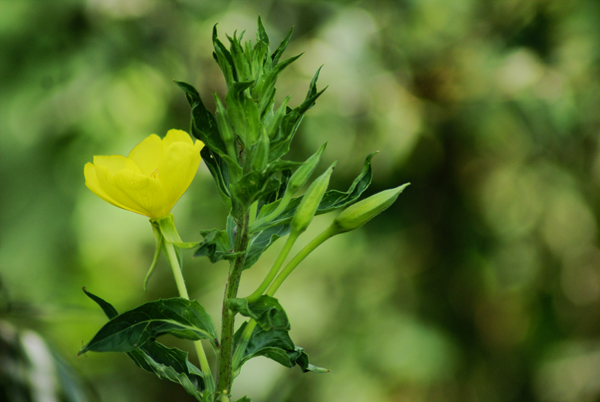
column 242, row 145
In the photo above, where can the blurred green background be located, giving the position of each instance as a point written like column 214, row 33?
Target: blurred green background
column 482, row 282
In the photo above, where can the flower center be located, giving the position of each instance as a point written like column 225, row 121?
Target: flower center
column 154, row 174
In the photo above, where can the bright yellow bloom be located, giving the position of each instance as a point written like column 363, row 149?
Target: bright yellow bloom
column 151, row 179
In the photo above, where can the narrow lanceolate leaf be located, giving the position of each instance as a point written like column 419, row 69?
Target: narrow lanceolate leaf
column 179, row 317
column 167, row 363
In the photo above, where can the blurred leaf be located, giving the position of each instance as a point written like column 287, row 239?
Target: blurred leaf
column 128, row 331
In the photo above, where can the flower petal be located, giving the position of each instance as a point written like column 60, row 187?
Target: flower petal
column 176, row 136
column 91, row 181
column 145, row 191
column 178, row 168
column 115, row 163
column 147, row 154
column 116, row 192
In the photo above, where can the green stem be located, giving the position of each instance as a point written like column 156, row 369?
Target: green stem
column 309, row 248
column 167, row 227
column 241, row 348
column 225, row 374
column 275, row 269
column 316, row 242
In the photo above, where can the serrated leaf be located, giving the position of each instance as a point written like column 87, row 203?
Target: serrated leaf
column 167, row 363
column 128, row 331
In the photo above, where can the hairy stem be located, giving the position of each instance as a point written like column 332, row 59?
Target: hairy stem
column 225, row 374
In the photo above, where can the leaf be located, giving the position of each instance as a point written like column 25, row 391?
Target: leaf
column 224, row 59
column 204, row 124
column 280, row 144
column 266, row 311
column 220, row 173
column 215, row 246
column 244, row 399
column 275, row 345
column 262, row 241
column 167, row 363
column 128, row 331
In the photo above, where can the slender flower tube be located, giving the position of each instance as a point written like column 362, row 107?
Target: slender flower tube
column 151, row 179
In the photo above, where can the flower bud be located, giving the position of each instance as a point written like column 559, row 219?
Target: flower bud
column 302, row 174
column 363, row 211
column 310, row 202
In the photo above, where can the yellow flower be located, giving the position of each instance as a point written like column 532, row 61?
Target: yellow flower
column 150, row 180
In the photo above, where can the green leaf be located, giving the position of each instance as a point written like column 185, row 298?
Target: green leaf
column 224, row 59
column 220, row 173
column 215, row 246
column 244, row 399
column 128, row 331
column 262, row 241
column 167, row 363
column 266, row 311
column 280, row 144
column 204, row 124
column 275, row 345
column 281, row 48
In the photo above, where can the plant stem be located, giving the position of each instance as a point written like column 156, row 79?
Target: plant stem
column 225, row 373
column 174, row 262
column 316, row 242
column 275, row 269
column 309, row 248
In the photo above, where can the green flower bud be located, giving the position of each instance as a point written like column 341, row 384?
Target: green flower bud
column 310, row 202
column 302, row 174
column 363, row 211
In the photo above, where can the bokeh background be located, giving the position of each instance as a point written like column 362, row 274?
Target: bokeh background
column 482, row 282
